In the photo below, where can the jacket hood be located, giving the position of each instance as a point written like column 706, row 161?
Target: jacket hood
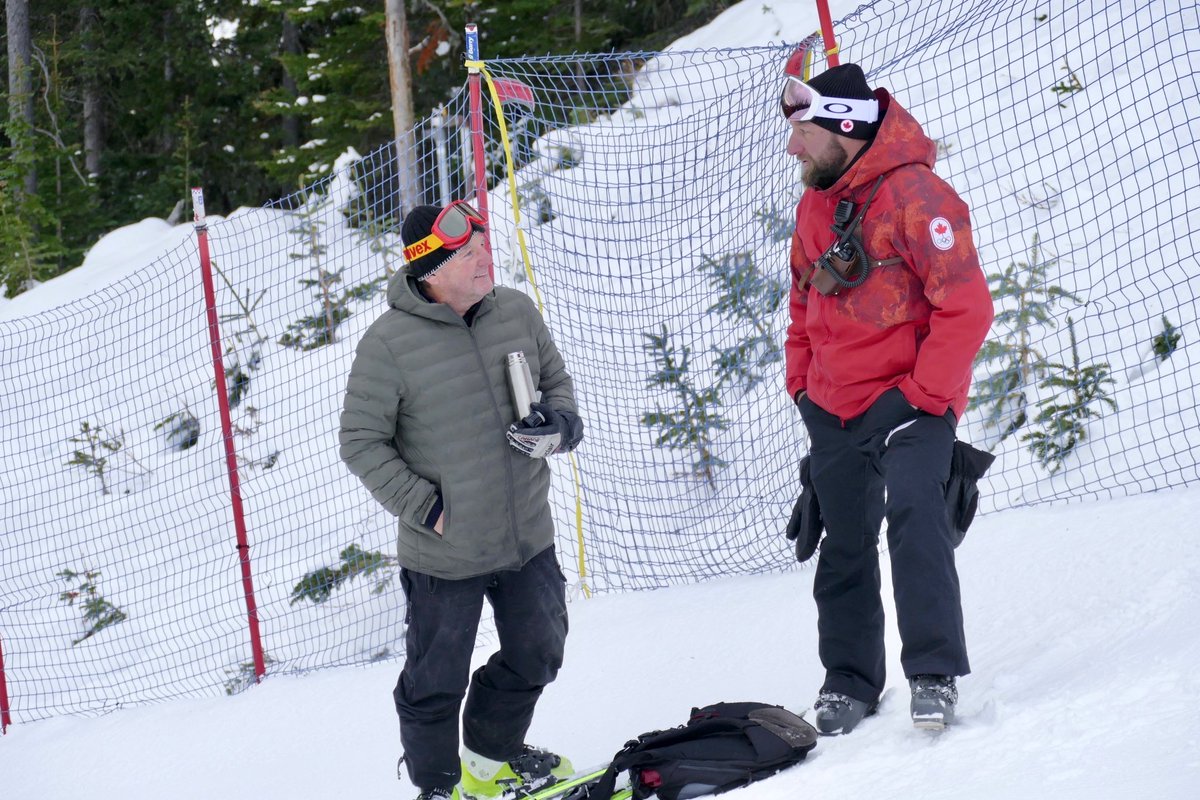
column 900, row 141
column 403, row 295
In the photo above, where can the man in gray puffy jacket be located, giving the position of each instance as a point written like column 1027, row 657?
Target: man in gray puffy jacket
column 429, row 426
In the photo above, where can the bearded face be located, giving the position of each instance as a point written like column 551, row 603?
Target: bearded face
column 825, row 167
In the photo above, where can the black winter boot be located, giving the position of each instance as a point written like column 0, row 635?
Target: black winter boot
column 933, row 701
column 839, row 713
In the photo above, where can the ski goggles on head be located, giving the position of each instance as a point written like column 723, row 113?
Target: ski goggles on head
column 801, row 103
column 452, row 228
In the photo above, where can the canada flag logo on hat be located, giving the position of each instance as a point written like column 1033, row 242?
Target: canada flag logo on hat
column 847, row 126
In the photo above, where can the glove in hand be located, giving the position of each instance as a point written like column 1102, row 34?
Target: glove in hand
column 546, row 431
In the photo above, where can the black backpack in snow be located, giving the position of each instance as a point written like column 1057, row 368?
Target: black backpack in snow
column 722, row 747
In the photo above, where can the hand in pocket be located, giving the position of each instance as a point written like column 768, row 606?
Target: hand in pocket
column 889, row 411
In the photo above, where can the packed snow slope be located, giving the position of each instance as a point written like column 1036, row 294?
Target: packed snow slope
column 1083, row 623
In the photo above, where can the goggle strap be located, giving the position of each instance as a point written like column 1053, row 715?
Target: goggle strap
column 434, row 241
column 423, row 247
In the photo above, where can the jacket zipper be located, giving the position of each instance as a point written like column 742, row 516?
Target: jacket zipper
column 509, row 478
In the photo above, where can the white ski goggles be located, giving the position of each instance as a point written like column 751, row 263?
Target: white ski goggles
column 801, row 103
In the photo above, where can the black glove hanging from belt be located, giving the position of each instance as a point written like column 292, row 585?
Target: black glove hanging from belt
column 806, row 524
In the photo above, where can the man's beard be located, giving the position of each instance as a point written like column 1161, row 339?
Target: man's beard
column 824, row 170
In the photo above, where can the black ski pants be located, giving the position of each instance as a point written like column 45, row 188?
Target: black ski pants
column 530, row 610
column 860, row 480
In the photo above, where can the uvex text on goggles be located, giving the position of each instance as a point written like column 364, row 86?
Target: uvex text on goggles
column 802, row 103
column 452, row 228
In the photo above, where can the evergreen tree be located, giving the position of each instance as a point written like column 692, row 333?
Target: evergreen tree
column 1026, row 300
column 1063, row 416
column 250, row 100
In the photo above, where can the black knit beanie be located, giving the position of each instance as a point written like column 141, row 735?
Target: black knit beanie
column 846, row 81
column 417, row 225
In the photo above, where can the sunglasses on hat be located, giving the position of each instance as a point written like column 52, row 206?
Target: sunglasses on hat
column 452, row 228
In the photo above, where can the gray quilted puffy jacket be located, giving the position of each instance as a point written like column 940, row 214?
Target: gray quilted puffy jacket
column 425, row 414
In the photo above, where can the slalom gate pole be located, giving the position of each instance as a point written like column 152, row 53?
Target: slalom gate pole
column 475, row 96
column 831, row 48
column 235, row 491
column 5, row 719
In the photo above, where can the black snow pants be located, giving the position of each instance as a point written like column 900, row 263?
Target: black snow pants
column 530, row 610
column 891, row 462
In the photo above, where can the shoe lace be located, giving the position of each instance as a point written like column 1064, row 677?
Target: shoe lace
column 534, row 763
column 942, row 686
column 834, row 701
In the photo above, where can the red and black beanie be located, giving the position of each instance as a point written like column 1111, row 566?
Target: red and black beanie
column 417, row 225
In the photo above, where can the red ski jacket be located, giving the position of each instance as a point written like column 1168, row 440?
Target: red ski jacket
column 916, row 324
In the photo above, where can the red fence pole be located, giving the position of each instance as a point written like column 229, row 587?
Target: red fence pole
column 831, row 48
column 235, row 491
column 475, row 115
column 5, row 719
column 476, row 118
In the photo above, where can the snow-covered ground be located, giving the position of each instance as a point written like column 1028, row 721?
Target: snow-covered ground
column 1083, row 623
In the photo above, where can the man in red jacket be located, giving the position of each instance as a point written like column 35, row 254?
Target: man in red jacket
column 888, row 309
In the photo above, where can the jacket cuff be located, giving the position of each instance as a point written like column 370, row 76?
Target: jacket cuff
column 915, row 395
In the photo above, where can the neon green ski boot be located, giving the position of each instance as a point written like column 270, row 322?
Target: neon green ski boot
column 485, row 779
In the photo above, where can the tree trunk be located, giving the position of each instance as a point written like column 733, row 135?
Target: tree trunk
column 167, row 137
column 93, row 119
column 291, row 45
column 400, row 79
column 20, row 83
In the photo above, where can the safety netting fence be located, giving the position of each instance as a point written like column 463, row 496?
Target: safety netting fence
column 655, row 203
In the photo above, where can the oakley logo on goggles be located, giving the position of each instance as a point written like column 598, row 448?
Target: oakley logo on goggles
column 801, row 103
column 452, row 228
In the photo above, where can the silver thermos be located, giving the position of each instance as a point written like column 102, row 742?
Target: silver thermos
column 520, row 383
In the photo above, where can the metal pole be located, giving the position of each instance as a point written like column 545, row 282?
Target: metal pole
column 5, row 719
column 438, row 122
column 476, row 116
column 831, row 47
column 235, row 491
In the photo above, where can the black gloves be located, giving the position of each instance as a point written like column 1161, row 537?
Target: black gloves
column 546, row 431
column 967, row 466
column 806, row 524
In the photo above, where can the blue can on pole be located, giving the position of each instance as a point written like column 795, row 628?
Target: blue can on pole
column 472, row 42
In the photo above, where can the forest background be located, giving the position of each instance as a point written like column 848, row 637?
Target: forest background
column 116, row 108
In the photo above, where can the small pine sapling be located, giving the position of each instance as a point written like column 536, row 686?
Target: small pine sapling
column 750, row 301
column 1166, row 342
column 691, row 424
column 99, row 452
column 1068, row 86
column 182, row 429
column 1025, row 300
column 777, row 222
column 98, row 613
column 243, row 352
column 1063, row 415
column 95, row 451
column 318, row 329
column 243, row 676
column 318, row 585
column 535, row 201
